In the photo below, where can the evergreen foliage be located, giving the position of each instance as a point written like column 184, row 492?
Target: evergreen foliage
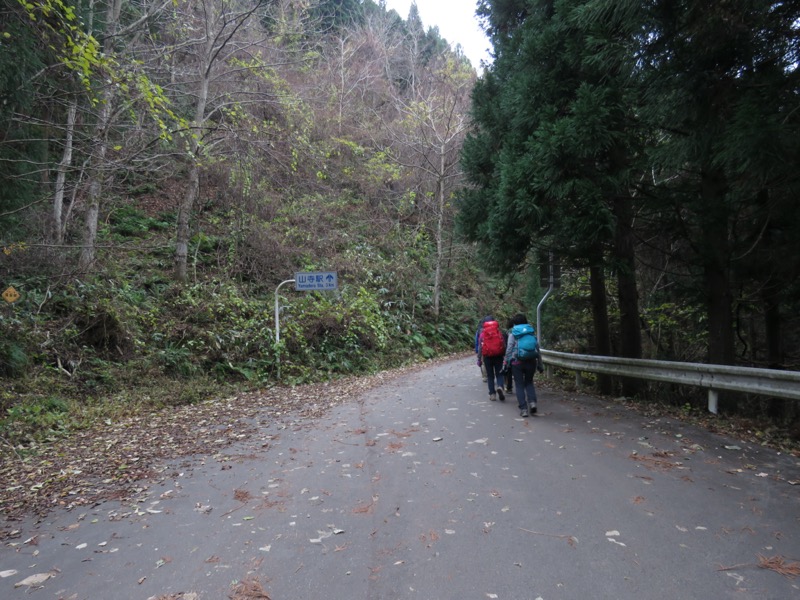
column 655, row 143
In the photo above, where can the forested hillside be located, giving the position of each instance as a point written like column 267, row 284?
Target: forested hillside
column 166, row 164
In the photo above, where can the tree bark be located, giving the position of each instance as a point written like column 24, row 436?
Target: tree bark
column 183, row 229
column 57, row 235
column 99, row 150
column 597, row 282
column 437, row 278
column 627, row 292
column 193, row 188
column 772, row 328
column 716, row 258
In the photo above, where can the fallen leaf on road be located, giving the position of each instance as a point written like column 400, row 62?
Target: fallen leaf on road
column 37, row 579
column 249, row 589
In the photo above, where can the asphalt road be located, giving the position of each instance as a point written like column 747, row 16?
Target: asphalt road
column 424, row 489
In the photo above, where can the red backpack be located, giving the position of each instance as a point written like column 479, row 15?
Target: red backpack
column 492, row 339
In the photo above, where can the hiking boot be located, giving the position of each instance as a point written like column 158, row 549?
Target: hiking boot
column 501, row 395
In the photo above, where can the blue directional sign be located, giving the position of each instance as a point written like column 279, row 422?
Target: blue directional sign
column 316, row 281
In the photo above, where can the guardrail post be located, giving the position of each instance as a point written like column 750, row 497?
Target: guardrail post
column 578, row 379
column 713, row 401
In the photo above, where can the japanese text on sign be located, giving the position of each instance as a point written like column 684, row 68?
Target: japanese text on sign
column 316, row 281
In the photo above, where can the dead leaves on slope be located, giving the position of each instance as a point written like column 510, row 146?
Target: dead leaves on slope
column 111, row 460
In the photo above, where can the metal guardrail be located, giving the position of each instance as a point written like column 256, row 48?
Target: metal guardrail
column 714, row 378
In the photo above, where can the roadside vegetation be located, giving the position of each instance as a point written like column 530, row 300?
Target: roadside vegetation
column 160, row 183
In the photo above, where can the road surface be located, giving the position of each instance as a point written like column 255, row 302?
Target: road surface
column 424, row 489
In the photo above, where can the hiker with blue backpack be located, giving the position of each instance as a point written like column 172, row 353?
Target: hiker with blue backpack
column 523, row 358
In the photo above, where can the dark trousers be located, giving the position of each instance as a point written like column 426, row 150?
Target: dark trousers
column 523, row 382
column 494, row 376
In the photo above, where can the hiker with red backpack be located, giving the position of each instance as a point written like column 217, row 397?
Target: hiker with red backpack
column 492, row 351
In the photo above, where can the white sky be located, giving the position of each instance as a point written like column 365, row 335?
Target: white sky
column 456, row 21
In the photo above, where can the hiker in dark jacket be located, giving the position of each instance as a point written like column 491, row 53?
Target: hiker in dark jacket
column 507, row 374
column 523, row 370
column 478, row 345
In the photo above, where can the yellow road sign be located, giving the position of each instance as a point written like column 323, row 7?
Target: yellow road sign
column 11, row 295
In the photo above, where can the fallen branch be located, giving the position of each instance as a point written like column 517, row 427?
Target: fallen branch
column 571, row 539
column 774, row 563
column 10, row 445
column 233, row 510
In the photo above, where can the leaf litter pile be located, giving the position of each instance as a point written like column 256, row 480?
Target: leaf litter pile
column 110, row 461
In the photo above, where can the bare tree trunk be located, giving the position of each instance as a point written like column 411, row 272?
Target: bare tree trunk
column 193, row 187
column 97, row 175
column 184, row 214
column 100, row 148
column 57, row 236
column 217, row 25
column 437, row 278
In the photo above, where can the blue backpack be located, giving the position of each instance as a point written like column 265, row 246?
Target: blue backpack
column 527, row 344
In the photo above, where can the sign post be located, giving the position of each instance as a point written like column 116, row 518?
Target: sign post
column 551, row 279
column 308, row 282
column 277, row 312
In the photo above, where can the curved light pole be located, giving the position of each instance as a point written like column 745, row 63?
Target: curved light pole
column 277, row 312
column 551, row 279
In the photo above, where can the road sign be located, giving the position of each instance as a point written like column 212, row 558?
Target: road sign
column 549, row 271
column 315, row 281
column 11, row 295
